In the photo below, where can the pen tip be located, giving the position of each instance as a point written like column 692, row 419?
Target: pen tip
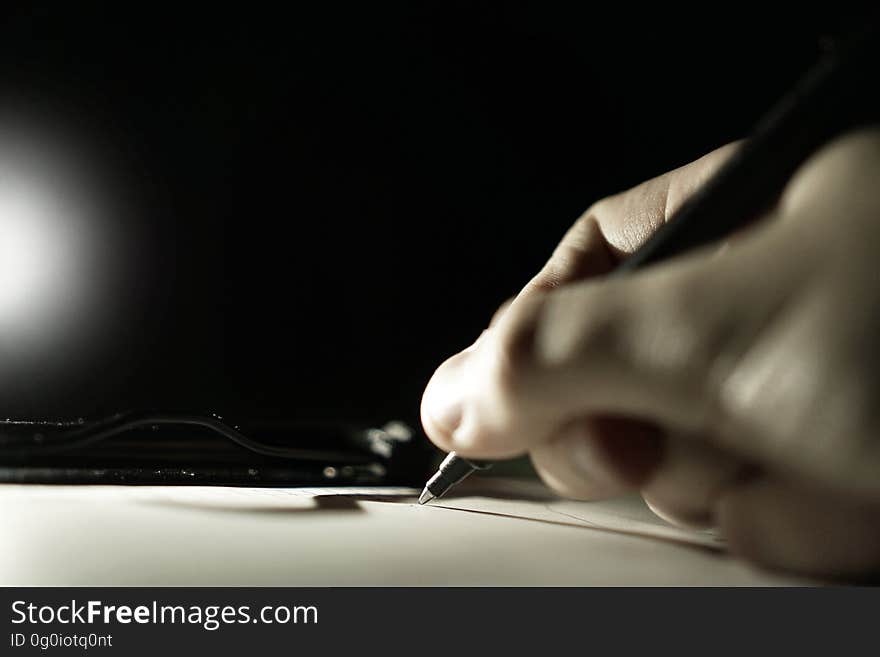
column 426, row 496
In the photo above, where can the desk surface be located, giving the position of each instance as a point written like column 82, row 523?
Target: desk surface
column 509, row 533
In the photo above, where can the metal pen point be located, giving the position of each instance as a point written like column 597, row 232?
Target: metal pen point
column 452, row 470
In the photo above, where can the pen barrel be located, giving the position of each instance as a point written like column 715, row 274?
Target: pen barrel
column 452, row 470
column 749, row 183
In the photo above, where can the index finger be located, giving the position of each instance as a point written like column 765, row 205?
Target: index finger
column 607, row 232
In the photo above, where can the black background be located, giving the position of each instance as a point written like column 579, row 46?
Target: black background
column 332, row 200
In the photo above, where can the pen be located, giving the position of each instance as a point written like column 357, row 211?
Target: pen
column 452, row 470
column 747, row 184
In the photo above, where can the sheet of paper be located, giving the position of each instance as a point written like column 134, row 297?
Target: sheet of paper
column 494, row 533
column 531, row 500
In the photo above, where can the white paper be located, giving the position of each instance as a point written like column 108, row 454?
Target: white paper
column 160, row 535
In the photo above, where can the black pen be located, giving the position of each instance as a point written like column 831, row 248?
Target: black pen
column 749, row 182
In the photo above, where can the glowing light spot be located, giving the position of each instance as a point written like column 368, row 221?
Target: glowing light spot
column 37, row 256
column 56, row 242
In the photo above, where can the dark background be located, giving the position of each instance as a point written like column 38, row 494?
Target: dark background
column 331, row 201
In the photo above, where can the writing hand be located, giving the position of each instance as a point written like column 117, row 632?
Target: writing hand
column 735, row 386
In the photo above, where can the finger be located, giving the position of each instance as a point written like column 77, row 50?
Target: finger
column 608, row 231
column 598, row 457
column 781, row 524
column 652, row 345
column 679, row 476
column 685, row 485
column 581, row 253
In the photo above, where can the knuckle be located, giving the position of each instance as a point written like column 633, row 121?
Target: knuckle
column 578, row 255
column 808, row 408
column 767, row 399
column 862, row 143
column 576, row 323
column 601, row 209
column 837, row 175
column 677, row 336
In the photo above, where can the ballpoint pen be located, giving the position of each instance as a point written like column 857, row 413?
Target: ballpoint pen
column 452, row 470
column 822, row 104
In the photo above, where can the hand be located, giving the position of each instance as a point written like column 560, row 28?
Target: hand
column 737, row 386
